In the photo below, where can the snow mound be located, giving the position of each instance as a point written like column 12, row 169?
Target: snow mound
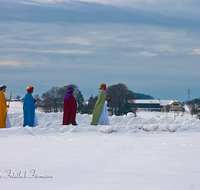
column 51, row 123
column 107, row 129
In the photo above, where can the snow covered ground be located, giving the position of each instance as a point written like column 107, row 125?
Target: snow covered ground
column 153, row 151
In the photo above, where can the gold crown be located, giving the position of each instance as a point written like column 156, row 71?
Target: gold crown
column 102, row 85
column 29, row 87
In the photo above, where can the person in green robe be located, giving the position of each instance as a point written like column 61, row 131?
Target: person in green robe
column 100, row 113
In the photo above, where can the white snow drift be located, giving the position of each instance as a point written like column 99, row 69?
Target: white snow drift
column 145, row 121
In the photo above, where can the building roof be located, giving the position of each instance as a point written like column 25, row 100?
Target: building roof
column 167, row 102
column 140, row 101
column 161, row 102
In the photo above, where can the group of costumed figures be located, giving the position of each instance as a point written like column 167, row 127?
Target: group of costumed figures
column 100, row 113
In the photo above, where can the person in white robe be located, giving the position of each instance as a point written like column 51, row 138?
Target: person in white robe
column 104, row 118
column 8, row 124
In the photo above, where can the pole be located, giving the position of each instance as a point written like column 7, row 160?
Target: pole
column 188, row 92
column 9, row 103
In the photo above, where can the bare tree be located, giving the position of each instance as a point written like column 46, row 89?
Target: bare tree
column 52, row 100
column 88, row 108
column 46, row 102
column 121, row 99
column 38, row 101
column 79, row 98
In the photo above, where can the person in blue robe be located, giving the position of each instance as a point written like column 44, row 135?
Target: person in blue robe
column 29, row 108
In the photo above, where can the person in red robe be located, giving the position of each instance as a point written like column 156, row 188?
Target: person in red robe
column 69, row 108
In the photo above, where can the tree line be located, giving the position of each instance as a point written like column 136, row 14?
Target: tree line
column 120, row 104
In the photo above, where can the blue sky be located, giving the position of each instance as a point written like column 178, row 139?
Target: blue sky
column 151, row 46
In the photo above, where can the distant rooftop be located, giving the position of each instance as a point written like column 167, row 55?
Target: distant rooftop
column 167, row 102
column 144, row 101
column 161, row 102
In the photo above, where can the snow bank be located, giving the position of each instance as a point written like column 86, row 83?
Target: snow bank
column 144, row 122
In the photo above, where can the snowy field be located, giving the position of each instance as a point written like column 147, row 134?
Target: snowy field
column 153, row 151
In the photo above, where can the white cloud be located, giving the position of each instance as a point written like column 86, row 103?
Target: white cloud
column 81, row 52
column 9, row 63
column 196, row 51
column 56, row 40
column 145, row 53
column 133, row 3
column 78, row 41
column 163, row 47
column 63, row 51
column 51, row 1
column 27, row 3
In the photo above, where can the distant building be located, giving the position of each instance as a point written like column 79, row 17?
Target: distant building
column 158, row 105
column 171, row 105
column 148, row 105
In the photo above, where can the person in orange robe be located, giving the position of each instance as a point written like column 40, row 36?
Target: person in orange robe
column 3, row 106
column 69, row 108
